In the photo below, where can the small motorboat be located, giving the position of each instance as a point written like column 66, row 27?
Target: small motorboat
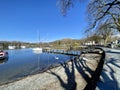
column 3, row 55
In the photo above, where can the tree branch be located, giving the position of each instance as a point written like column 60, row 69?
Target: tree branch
column 115, row 2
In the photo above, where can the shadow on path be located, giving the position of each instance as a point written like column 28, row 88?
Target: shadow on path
column 112, row 52
column 71, row 84
column 95, row 77
column 82, row 68
column 109, row 75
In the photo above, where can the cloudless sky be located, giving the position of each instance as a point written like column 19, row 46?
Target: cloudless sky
column 20, row 20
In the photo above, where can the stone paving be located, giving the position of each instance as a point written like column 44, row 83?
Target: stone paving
column 110, row 75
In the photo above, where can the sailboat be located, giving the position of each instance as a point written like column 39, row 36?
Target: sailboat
column 38, row 49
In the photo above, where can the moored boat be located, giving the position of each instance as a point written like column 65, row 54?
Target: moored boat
column 37, row 50
column 3, row 54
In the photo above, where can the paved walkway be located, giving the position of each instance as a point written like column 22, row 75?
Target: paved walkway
column 110, row 75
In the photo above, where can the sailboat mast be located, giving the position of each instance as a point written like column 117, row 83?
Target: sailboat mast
column 38, row 38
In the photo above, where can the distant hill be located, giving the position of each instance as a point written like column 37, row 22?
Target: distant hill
column 66, row 41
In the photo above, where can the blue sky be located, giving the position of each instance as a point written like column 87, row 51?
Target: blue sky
column 21, row 19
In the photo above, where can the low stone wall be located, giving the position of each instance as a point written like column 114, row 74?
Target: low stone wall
column 73, row 75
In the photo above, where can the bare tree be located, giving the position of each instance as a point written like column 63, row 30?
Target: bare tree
column 105, row 31
column 101, row 10
column 65, row 5
column 98, row 11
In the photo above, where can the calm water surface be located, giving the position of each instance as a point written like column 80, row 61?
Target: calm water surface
column 25, row 62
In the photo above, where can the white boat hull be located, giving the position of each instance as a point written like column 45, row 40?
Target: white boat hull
column 3, row 55
column 37, row 50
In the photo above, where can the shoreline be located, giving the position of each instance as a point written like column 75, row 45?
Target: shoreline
column 58, row 77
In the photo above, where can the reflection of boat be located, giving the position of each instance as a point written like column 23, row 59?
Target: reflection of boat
column 3, row 55
column 2, row 61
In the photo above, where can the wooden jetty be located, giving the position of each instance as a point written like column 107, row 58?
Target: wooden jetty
column 65, row 52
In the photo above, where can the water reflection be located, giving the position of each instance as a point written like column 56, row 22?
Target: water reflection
column 25, row 62
column 37, row 51
column 3, row 61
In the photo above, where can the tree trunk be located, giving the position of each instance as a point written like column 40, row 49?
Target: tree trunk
column 105, row 41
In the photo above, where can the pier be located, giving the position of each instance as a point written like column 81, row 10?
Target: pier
column 65, row 52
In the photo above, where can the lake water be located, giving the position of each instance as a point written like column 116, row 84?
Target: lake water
column 25, row 62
